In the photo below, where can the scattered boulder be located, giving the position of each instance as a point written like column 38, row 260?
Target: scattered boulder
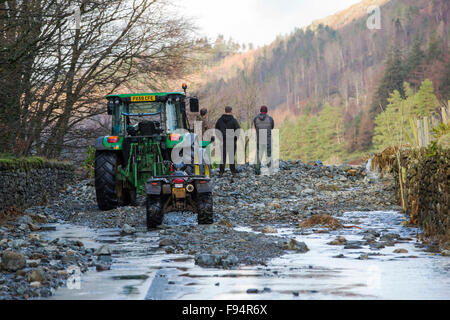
column 401, row 250
column 34, row 237
column 230, row 261
column 13, row 261
column 36, row 285
column 294, row 245
column 103, row 251
column 207, row 260
column 127, row 230
column 166, row 242
column 102, row 267
column 338, row 241
column 252, row 291
column 35, row 276
column 34, row 227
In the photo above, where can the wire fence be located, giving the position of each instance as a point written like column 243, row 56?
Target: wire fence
column 425, row 125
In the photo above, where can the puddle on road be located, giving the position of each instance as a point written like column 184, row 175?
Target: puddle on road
column 140, row 270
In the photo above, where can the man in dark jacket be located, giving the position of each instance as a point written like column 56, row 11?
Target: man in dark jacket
column 227, row 121
column 264, row 125
column 203, row 118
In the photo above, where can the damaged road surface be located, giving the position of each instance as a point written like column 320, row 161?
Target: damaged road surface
column 306, row 232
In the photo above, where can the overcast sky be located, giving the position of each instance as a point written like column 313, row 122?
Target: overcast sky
column 258, row 21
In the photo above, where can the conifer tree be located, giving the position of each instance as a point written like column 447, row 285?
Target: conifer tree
column 425, row 99
column 393, row 78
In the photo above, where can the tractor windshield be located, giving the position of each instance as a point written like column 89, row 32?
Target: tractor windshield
column 168, row 115
column 145, row 108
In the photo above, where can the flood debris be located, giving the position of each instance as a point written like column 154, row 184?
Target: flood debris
column 322, row 220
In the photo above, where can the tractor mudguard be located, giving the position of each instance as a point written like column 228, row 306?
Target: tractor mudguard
column 103, row 144
column 152, row 189
column 154, row 186
column 99, row 144
column 203, row 187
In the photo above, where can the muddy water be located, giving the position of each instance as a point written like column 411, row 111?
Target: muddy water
column 140, row 270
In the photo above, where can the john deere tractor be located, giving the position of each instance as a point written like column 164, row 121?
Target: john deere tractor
column 137, row 157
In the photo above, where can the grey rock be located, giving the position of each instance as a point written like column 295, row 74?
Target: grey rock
column 35, row 276
column 252, row 291
column 104, row 258
column 308, row 191
column 13, row 261
column 46, row 292
column 294, row 245
column 207, row 260
column 230, row 261
column 24, row 220
column 103, row 251
column 17, row 244
column 127, row 230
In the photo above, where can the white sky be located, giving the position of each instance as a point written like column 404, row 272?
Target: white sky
column 257, row 21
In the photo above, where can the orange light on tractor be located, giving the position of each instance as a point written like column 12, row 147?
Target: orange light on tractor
column 175, row 137
column 113, row 139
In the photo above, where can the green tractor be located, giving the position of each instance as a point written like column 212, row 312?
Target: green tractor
column 137, row 157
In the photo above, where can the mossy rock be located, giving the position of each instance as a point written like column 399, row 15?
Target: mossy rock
column 9, row 163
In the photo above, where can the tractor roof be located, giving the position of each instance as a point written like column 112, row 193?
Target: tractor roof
column 129, row 95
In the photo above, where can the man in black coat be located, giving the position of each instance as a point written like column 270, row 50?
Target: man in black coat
column 227, row 121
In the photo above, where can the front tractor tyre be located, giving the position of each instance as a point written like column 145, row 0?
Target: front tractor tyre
column 108, row 189
column 205, row 208
column 155, row 212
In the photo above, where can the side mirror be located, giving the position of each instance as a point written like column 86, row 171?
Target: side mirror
column 110, row 107
column 193, row 105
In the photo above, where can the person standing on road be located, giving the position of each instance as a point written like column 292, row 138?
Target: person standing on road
column 227, row 121
column 203, row 118
column 264, row 125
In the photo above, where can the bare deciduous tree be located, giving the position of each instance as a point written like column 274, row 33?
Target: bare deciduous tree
column 62, row 70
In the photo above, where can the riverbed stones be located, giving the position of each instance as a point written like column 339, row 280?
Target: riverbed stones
column 400, row 250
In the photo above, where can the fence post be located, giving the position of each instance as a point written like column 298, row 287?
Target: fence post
column 420, row 132
column 426, row 130
column 444, row 113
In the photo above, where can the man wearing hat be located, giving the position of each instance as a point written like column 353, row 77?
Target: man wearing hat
column 263, row 124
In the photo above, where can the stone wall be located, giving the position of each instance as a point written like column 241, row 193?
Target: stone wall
column 426, row 189
column 30, row 186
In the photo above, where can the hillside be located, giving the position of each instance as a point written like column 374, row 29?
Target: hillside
column 338, row 62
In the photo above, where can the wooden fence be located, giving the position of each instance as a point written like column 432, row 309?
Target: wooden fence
column 426, row 124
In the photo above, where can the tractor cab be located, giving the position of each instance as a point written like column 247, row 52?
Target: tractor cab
column 150, row 114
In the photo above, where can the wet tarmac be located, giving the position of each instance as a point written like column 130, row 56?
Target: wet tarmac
column 357, row 270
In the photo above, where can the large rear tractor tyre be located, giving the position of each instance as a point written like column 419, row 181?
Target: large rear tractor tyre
column 205, row 209
column 155, row 213
column 107, row 188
